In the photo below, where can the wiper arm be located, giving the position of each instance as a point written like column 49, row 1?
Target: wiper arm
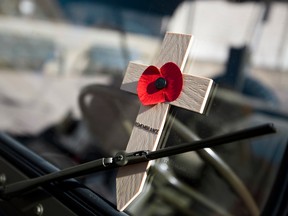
column 123, row 159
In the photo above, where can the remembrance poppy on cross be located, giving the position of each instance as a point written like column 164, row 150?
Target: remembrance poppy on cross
column 160, row 85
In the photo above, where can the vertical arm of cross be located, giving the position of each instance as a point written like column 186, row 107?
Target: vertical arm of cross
column 130, row 180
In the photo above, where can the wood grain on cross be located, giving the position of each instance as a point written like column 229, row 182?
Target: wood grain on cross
column 175, row 48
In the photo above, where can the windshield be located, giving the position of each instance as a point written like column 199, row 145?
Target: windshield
column 62, row 64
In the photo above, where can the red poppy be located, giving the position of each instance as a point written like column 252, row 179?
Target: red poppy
column 160, row 85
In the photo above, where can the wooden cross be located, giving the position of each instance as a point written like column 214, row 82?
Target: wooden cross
column 150, row 120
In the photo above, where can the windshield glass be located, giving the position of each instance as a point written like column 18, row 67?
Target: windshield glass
column 62, row 64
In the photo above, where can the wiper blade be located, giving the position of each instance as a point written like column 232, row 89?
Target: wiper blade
column 123, row 159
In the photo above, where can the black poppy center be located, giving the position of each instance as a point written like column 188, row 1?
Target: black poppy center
column 160, row 83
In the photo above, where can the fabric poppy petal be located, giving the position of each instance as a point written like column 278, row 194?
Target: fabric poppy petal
column 172, row 73
column 147, row 92
column 151, row 92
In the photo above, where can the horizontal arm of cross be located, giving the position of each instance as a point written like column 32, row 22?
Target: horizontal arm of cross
column 194, row 95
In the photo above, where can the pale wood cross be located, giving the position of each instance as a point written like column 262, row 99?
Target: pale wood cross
column 150, row 120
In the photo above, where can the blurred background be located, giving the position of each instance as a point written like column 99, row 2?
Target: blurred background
column 48, row 49
column 62, row 64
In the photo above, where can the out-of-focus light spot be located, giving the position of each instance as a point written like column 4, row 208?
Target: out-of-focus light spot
column 163, row 166
column 26, row 7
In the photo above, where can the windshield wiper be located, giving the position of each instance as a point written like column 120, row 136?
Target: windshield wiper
column 124, row 159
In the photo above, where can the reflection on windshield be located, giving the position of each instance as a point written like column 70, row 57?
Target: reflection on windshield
column 24, row 52
column 62, row 64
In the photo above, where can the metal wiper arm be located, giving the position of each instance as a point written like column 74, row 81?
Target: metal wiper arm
column 123, row 159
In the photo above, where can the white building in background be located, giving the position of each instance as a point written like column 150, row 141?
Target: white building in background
column 217, row 25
